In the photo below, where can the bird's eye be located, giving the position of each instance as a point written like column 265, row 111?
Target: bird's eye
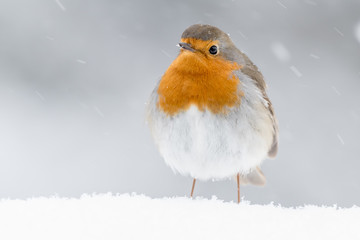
column 213, row 50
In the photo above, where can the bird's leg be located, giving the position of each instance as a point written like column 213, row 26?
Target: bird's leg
column 192, row 189
column 238, row 186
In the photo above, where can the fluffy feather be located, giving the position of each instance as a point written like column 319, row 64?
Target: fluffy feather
column 214, row 146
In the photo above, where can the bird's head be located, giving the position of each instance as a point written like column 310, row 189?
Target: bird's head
column 203, row 72
column 207, row 42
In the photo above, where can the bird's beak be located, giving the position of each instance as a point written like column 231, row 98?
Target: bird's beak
column 186, row 46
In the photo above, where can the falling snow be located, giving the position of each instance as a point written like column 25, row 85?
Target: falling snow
column 340, row 139
column 209, row 15
column 314, row 56
column 357, row 31
column 50, row 38
column 335, row 90
column 280, row 51
column 165, row 53
column 81, row 61
column 311, row 2
column 281, row 4
column 243, row 35
column 296, row 71
column 338, row 31
column 40, row 95
column 98, row 111
column 62, row 7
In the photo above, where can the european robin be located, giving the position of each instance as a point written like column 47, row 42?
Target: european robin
column 209, row 114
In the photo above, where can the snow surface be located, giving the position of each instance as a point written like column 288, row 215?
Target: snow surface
column 133, row 216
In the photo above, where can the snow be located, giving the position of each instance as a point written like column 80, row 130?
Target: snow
column 338, row 31
column 311, row 2
column 280, row 51
column 336, row 90
column 357, row 32
column 314, row 56
column 243, row 35
column 296, row 71
column 108, row 216
column 281, row 4
column 98, row 111
column 81, row 61
column 165, row 53
column 61, row 6
column 40, row 95
column 50, row 38
column 340, row 139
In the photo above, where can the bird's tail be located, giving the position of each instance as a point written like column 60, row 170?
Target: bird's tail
column 255, row 177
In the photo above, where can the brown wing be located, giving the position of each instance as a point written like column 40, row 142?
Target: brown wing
column 274, row 146
column 252, row 71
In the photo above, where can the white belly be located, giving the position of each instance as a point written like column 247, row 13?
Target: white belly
column 207, row 146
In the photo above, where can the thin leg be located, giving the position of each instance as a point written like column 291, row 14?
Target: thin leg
column 238, row 186
column 192, row 189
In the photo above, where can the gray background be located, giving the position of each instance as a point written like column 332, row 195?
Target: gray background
column 75, row 76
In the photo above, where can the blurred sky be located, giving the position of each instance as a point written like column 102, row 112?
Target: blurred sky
column 75, row 76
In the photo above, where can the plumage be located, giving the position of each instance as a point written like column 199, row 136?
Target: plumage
column 210, row 115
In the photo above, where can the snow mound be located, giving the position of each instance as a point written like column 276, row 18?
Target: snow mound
column 127, row 216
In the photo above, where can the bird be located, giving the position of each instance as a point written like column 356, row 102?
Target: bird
column 210, row 115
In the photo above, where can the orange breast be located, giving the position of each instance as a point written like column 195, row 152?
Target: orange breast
column 197, row 79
